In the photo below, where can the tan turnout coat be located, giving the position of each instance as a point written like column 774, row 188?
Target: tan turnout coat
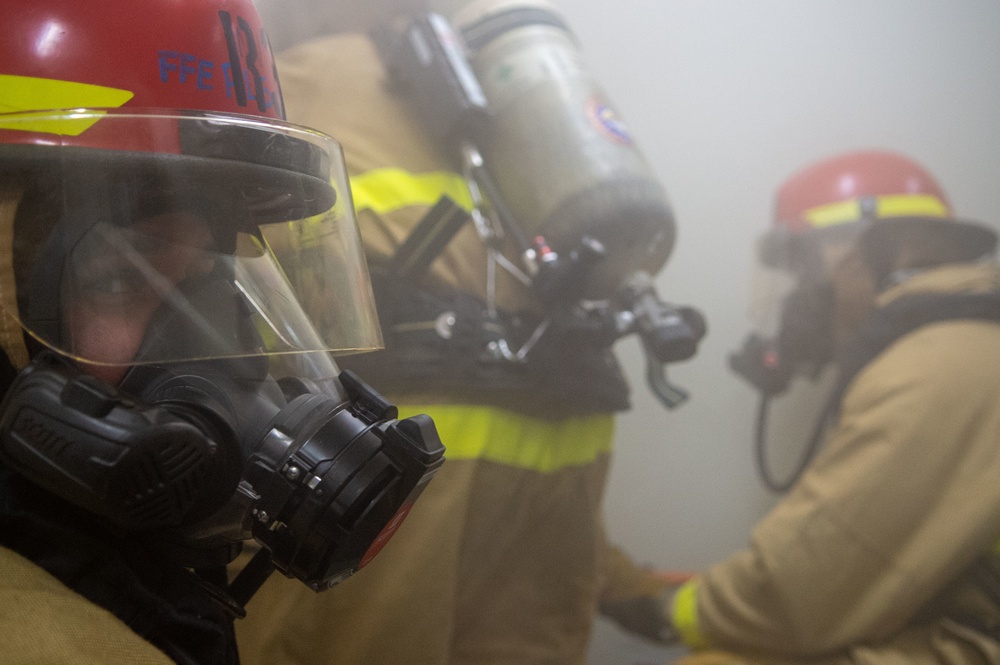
column 870, row 557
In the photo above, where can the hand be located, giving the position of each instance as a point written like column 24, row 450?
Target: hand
column 642, row 616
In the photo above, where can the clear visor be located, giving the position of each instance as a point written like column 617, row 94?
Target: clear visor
column 216, row 237
column 786, row 260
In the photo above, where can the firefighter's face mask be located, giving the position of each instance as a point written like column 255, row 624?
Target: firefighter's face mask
column 795, row 306
column 184, row 310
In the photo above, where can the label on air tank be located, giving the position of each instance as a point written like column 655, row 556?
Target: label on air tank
column 606, row 121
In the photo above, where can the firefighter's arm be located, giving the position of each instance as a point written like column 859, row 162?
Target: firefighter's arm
column 869, row 535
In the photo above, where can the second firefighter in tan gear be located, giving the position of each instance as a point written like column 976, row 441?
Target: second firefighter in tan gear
column 498, row 562
column 884, row 551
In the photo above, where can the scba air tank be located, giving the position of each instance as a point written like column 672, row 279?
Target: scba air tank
column 564, row 162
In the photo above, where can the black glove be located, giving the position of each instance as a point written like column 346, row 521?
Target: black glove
column 642, row 616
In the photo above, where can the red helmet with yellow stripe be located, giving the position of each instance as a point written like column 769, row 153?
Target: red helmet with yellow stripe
column 177, row 54
column 122, row 76
column 837, row 197
column 859, row 186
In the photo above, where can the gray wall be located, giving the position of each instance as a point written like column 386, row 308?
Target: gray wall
column 728, row 98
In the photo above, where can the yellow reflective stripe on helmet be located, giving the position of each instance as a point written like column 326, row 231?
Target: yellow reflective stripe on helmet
column 834, row 213
column 390, row 189
column 684, row 615
column 894, row 205
column 29, row 93
column 498, row 435
column 906, row 205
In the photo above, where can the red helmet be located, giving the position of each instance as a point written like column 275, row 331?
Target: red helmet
column 145, row 66
column 859, row 186
column 157, row 54
column 829, row 198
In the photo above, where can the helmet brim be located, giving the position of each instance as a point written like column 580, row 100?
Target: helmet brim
column 972, row 240
column 265, row 193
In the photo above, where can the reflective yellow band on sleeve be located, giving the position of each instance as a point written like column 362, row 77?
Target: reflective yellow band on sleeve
column 684, row 615
column 30, row 93
column 498, row 435
column 385, row 190
column 895, row 205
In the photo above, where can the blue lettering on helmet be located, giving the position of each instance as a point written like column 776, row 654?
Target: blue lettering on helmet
column 185, row 69
column 205, row 68
column 180, row 68
column 166, row 66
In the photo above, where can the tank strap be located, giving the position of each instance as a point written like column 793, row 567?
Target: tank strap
column 902, row 317
column 445, row 343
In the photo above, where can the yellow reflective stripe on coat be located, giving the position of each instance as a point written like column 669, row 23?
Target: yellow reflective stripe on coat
column 386, row 190
column 684, row 615
column 30, row 93
column 895, row 205
column 505, row 437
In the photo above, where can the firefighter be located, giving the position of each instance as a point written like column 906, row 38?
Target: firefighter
column 501, row 561
column 885, row 549
column 168, row 389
